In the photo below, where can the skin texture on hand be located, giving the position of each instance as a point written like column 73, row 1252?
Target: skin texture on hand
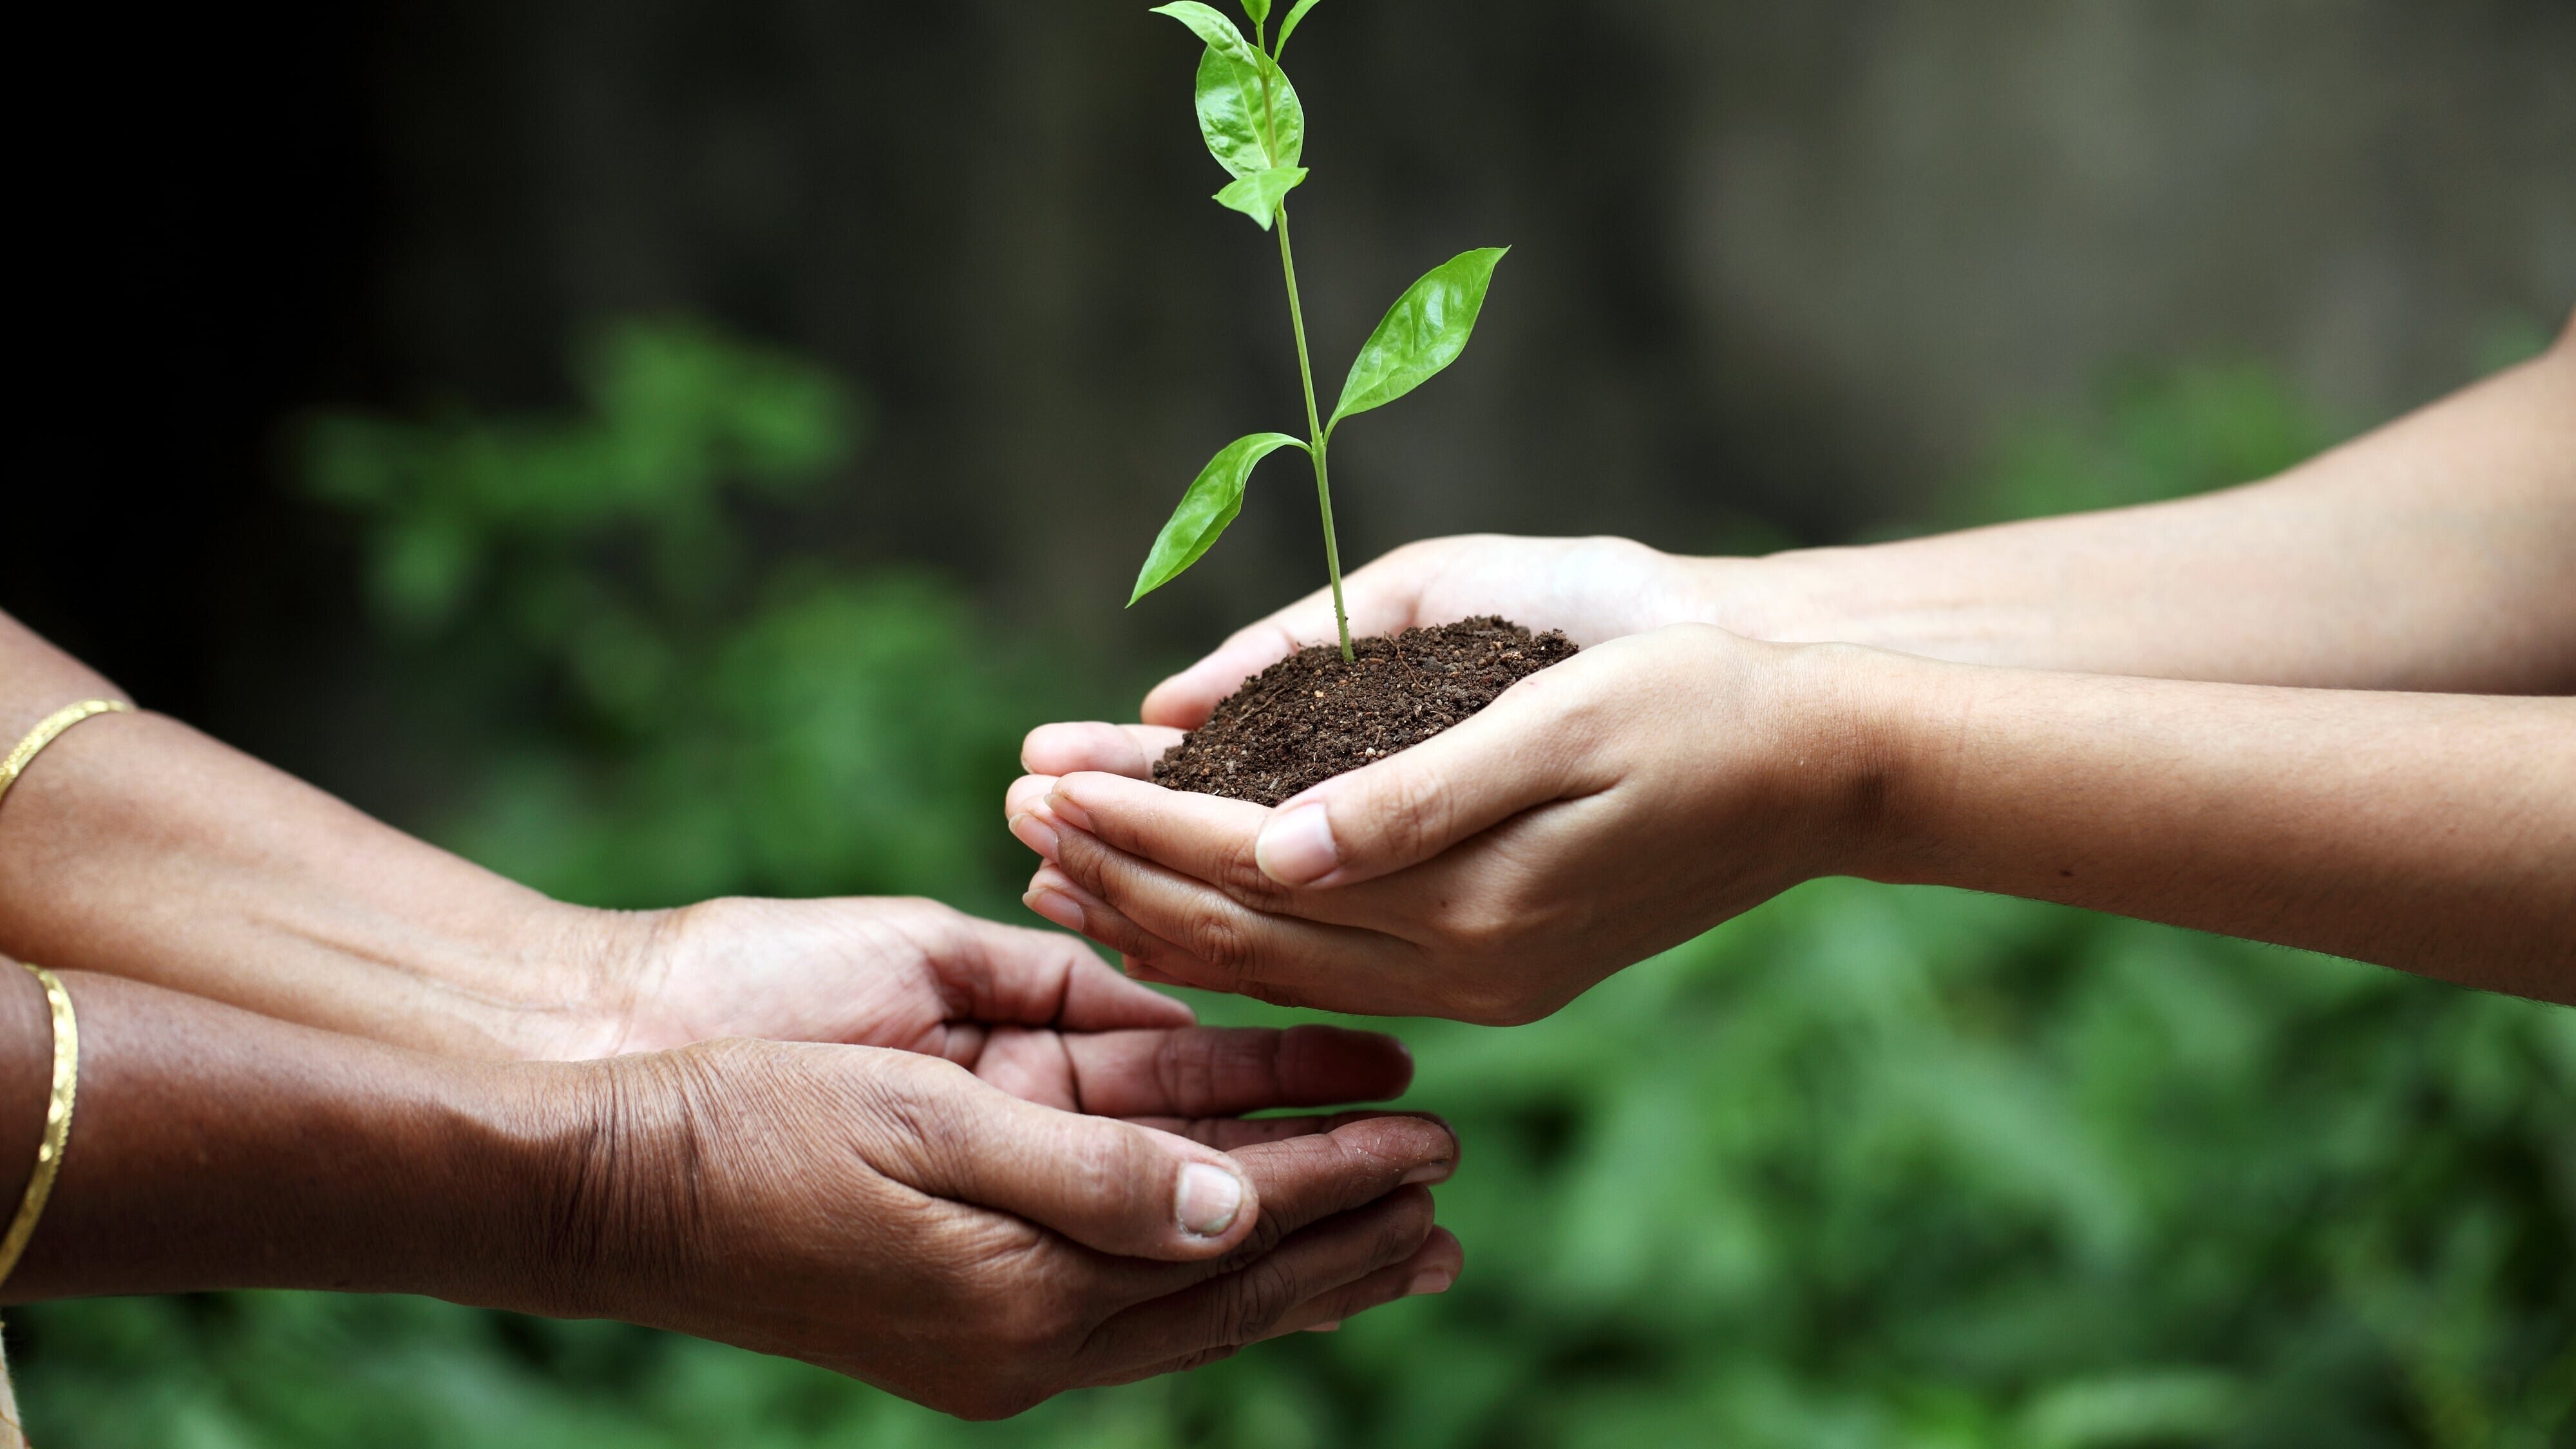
column 881, row 1213
column 1647, row 789
column 1594, row 846
column 137, row 847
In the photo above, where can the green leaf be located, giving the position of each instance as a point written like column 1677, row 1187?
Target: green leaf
column 1259, row 10
column 1288, row 26
column 1247, row 128
column 1422, row 333
column 1206, row 23
column 1259, row 194
column 1212, row 502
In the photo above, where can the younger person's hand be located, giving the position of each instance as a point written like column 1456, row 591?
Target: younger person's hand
column 1594, row 589
column 1599, row 811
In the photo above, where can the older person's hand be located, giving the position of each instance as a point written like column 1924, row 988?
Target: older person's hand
column 888, row 1216
column 882, row 1213
column 1032, row 1012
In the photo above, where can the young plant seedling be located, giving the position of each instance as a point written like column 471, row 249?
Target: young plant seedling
column 1257, row 131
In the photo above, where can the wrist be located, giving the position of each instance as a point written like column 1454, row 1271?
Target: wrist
column 1796, row 597
column 215, row 1149
column 581, row 974
column 604, row 1159
column 1854, row 749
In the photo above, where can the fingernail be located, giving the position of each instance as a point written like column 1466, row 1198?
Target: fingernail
column 1069, row 813
column 1430, row 1280
column 1032, row 832
column 1296, row 848
column 1209, row 1197
column 1333, row 1327
column 1430, row 1172
column 1055, row 906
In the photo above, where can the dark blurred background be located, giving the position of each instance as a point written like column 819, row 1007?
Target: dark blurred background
column 316, row 289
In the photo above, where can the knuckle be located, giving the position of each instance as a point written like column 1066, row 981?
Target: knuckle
column 1239, row 873
column 1220, row 940
column 1404, row 1227
column 1201, row 1359
column 1416, row 811
column 1185, row 1068
column 1254, row 1301
column 1034, row 1327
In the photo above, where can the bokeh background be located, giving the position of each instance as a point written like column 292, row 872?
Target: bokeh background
column 662, row 448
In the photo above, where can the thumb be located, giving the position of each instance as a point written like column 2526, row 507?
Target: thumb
column 1106, row 1184
column 1514, row 754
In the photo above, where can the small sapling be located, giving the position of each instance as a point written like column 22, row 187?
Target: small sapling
column 1256, row 129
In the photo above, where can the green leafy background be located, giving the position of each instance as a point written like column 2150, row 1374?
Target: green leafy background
column 1866, row 1167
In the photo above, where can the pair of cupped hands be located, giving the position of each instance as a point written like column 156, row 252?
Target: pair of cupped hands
column 1063, row 1186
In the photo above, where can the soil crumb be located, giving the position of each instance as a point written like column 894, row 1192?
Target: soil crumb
column 1310, row 716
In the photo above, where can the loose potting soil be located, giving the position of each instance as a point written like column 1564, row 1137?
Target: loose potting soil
column 1310, row 716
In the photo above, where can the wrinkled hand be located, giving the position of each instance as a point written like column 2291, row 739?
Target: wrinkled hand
column 1600, row 811
column 1595, row 589
column 888, row 1216
column 1032, row 1012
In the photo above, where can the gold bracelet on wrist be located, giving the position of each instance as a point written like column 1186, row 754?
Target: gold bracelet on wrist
column 46, row 730
column 58, row 1106
column 58, row 1122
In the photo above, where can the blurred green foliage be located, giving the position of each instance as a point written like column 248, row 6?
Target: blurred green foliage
column 662, row 689
column 1866, row 1167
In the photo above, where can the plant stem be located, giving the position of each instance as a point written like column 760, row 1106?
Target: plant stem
column 1315, row 428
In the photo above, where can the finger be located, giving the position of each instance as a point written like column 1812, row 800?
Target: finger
column 993, row 974
column 1528, row 747
column 1109, row 1185
column 1205, row 837
column 1138, row 971
column 1055, row 896
column 1026, row 794
column 1221, row 1072
column 1229, row 1134
column 1193, row 934
column 1131, row 750
column 1301, row 1181
column 1306, row 1179
column 1255, row 1300
column 1432, row 1269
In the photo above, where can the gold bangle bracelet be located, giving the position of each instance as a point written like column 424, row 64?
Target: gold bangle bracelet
column 58, row 1122
column 45, row 732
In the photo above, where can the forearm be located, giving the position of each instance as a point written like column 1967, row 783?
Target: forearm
column 214, row 1148
column 2432, row 554
column 137, row 847
column 2436, row 833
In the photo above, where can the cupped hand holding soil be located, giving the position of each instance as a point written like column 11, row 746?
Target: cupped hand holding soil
column 1312, row 715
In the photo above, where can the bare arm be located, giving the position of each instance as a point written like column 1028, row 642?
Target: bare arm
column 2436, row 833
column 876, row 1212
column 1650, row 787
column 136, row 846
column 2435, row 553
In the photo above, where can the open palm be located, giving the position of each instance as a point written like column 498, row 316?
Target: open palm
column 1034, row 1013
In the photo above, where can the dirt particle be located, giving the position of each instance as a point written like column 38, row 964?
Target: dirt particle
column 1270, row 739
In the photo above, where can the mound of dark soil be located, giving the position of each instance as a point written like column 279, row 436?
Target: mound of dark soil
column 1310, row 716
